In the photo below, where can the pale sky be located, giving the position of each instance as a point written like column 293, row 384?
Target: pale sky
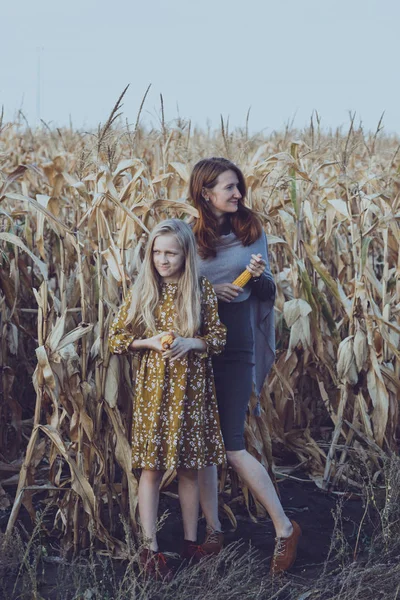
column 283, row 58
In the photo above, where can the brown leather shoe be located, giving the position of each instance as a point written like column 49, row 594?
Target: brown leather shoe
column 192, row 551
column 214, row 541
column 285, row 551
column 154, row 565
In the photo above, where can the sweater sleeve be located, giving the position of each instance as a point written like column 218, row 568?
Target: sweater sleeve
column 264, row 286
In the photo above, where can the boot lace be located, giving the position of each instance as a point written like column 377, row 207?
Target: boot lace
column 160, row 558
column 280, row 547
column 212, row 536
column 198, row 549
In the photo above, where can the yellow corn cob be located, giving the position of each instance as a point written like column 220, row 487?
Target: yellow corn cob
column 243, row 278
column 167, row 340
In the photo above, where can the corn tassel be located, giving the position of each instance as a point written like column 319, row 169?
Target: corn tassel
column 166, row 341
column 243, row 278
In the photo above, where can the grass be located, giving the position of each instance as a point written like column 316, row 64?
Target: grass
column 234, row 574
column 365, row 567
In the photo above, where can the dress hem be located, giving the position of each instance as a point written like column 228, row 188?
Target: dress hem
column 208, row 464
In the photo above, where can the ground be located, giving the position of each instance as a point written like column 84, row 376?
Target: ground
column 304, row 502
column 322, row 516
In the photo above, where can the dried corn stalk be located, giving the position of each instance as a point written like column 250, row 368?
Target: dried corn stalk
column 72, row 218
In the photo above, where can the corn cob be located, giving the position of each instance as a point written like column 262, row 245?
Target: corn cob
column 167, row 340
column 243, row 278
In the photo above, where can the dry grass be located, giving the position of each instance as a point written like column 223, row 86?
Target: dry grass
column 28, row 569
column 235, row 574
column 73, row 208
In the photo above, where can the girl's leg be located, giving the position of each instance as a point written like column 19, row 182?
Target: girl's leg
column 255, row 476
column 208, row 486
column 188, row 488
column 149, row 496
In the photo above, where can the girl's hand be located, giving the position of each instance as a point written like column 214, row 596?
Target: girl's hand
column 153, row 343
column 119, row 350
column 257, row 265
column 227, row 291
column 179, row 348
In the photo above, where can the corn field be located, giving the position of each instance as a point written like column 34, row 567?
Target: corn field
column 73, row 210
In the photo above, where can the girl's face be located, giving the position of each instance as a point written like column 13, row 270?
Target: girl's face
column 168, row 257
column 224, row 196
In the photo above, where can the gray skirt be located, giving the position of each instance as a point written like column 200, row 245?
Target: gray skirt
column 233, row 372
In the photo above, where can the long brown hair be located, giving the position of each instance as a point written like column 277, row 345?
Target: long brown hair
column 244, row 223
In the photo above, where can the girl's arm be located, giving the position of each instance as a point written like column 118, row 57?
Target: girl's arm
column 152, row 343
column 119, row 337
column 181, row 346
column 213, row 331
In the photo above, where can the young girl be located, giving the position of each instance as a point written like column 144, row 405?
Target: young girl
column 175, row 416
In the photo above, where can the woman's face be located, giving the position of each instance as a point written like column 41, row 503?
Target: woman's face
column 168, row 257
column 224, row 196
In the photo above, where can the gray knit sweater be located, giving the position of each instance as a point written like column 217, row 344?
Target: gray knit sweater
column 231, row 259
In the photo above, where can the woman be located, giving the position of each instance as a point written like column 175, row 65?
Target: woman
column 229, row 238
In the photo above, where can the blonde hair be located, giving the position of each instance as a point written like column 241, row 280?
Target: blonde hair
column 147, row 288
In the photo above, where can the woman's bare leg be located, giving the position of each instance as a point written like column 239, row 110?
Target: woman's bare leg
column 255, row 476
column 149, row 496
column 188, row 489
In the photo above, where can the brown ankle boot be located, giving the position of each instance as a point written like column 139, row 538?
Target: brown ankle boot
column 192, row 551
column 214, row 541
column 154, row 565
column 285, row 551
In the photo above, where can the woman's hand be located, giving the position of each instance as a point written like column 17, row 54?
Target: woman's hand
column 257, row 265
column 227, row 291
column 179, row 348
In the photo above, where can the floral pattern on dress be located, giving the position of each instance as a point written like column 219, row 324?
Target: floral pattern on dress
column 175, row 414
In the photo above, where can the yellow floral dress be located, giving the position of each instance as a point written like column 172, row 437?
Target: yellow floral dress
column 175, row 414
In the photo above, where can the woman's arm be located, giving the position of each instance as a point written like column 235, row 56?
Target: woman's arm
column 262, row 282
column 264, row 287
column 227, row 291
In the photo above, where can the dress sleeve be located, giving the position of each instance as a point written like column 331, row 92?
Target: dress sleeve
column 264, row 286
column 213, row 332
column 119, row 336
